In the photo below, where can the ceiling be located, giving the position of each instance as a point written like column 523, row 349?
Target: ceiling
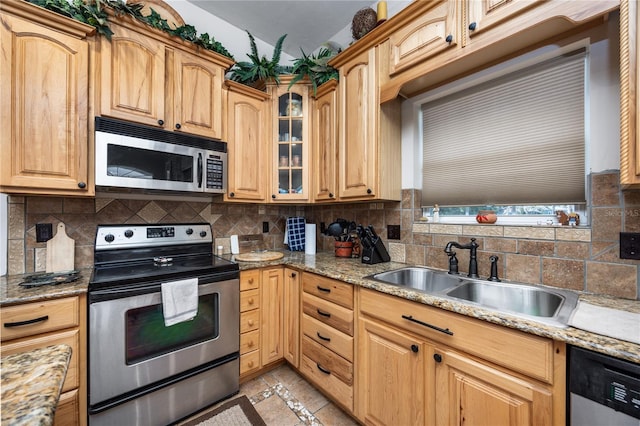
column 307, row 23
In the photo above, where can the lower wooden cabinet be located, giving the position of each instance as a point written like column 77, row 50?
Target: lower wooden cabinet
column 57, row 321
column 272, row 315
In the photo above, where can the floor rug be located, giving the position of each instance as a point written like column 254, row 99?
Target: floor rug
column 237, row 412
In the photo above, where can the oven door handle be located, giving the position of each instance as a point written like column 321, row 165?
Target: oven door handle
column 200, row 171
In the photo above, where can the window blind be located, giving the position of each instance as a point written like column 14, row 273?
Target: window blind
column 517, row 139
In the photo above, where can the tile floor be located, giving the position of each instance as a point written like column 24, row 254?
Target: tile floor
column 283, row 398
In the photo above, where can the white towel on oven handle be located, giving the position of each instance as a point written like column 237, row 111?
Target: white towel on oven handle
column 179, row 301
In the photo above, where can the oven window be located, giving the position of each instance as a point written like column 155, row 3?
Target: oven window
column 148, row 337
column 130, row 162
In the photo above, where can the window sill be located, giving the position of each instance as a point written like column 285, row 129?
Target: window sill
column 537, row 232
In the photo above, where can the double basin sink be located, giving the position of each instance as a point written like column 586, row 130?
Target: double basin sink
column 542, row 304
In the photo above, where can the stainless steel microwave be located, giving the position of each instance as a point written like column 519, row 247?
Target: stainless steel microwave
column 135, row 156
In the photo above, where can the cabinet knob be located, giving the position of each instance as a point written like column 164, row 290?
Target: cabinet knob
column 331, row 195
column 250, row 364
column 437, row 357
column 273, row 196
column 250, row 280
column 293, row 275
column 369, row 191
column 82, row 185
column 161, row 122
column 472, row 26
column 414, row 348
column 178, row 126
column 449, row 38
column 250, row 322
column 232, row 194
column 250, row 301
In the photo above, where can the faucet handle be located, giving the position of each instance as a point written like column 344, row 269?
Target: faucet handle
column 453, row 263
column 494, row 268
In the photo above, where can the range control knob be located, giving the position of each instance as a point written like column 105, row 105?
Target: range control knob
column 128, row 233
column 203, row 234
column 189, row 231
column 109, row 238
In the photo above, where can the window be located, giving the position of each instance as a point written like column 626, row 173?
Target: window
column 518, row 139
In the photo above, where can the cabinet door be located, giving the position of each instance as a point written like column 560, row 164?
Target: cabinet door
column 358, row 132
column 391, row 386
column 482, row 16
column 473, row 393
column 44, row 85
column 629, row 99
column 292, row 316
column 325, row 142
column 132, row 85
column 272, row 315
column 198, row 95
column 245, row 137
column 426, row 36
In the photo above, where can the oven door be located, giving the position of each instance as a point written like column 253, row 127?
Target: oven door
column 130, row 347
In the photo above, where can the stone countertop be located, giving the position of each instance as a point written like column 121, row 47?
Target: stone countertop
column 11, row 292
column 354, row 271
column 31, row 384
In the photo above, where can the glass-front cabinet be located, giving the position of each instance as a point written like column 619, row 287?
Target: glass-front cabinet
column 291, row 141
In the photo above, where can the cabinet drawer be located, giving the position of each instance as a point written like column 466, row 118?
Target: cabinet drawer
column 249, row 341
column 249, row 362
column 249, row 279
column 328, row 361
column 39, row 317
column 329, row 337
column 249, row 299
column 330, row 383
column 249, row 320
column 329, row 313
column 68, row 409
column 328, row 289
column 518, row 351
column 69, row 337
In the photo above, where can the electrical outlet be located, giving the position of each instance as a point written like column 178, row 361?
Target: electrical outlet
column 630, row 245
column 265, row 226
column 393, row 232
column 44, row 232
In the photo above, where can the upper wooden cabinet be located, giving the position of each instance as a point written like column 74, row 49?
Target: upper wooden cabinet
column 245, row 132
column 369, row 141
column 44, row 80
column 150, row 78
column 290, row 141
column 325, row 143
column 432, row 32
column 629, row 99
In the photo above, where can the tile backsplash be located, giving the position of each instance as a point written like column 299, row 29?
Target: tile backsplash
column 582, row 258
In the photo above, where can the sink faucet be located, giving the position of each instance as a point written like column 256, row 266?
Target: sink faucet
column 453, row 261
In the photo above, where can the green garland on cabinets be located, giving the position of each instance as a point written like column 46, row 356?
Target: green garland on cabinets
column 92, row 13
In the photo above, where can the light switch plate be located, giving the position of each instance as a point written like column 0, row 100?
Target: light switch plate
column 44, row 232
column 393, row 232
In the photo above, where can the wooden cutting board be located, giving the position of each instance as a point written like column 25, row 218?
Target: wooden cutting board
column 60, row 251
column 259, row 256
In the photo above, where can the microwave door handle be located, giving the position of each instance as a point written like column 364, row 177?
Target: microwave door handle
column 200, row 170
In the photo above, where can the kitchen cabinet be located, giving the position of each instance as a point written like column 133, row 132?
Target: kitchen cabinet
column 272, row 315
column 245, row 133
column 290, row 141
column 249, row 322
column 325, row 142
column 327, row 337
column 629, row 99
column 459, row 366
column 433, row 43
column 369, row 142
column 52, row 322
column 44, row 80
column 150, row 78
column 292, row 316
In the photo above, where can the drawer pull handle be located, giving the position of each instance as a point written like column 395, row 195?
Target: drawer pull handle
column 250, row 301
column 325, row 371
column 250, row 322
column 326, row 339
column 27, row 322
column 324, row 289
column 442, row 330
column 324, row 314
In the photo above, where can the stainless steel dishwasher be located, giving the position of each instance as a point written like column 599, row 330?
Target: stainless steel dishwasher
column 603, row 391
